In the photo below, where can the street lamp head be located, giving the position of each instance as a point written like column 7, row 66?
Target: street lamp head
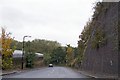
column 27, row 36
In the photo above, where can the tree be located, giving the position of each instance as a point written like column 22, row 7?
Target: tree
column 17, row 44
column 58, row 56
column 30, row 58
column 6, row 51
column 37, row 45
column 47, row 58
column 69, row 55
column 45, row 47
column 84, row 37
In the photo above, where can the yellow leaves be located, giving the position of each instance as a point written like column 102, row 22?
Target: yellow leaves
column 69, row 50
column 7, row 63
column 69, row 55
column 5, row 41
column 73, row 61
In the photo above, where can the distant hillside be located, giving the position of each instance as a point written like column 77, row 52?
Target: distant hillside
column 37, row 45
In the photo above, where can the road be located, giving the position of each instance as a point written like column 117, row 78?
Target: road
column 50, row 72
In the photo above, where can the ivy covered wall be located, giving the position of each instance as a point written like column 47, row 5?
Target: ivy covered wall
column 101, row 54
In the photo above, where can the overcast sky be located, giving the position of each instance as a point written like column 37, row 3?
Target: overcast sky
column 57, row 20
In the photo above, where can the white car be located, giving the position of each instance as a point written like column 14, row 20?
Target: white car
column 50, row 65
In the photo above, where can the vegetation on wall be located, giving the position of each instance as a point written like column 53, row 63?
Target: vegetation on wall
column 98, row 8
column 99, row 39
column 96, row 35
column 82, row 44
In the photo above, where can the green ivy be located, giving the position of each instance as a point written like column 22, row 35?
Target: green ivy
column 99, row 39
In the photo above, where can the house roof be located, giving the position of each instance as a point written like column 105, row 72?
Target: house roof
column 18, row 54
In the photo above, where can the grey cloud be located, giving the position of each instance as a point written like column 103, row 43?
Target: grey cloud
column 60, row 20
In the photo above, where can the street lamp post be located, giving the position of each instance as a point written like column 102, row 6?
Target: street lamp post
column 23, row 51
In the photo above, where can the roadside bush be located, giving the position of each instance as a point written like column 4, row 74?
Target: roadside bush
column 30, row 57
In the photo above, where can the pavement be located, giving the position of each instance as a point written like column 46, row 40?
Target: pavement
column 9, row 72
column 86, row 73
column 98, row 75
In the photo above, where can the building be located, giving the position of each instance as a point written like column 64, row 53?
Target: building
column 17, row 59
column 18, row 54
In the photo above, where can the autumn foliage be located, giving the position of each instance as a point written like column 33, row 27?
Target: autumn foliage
column 69, row 55
column 6, row 51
